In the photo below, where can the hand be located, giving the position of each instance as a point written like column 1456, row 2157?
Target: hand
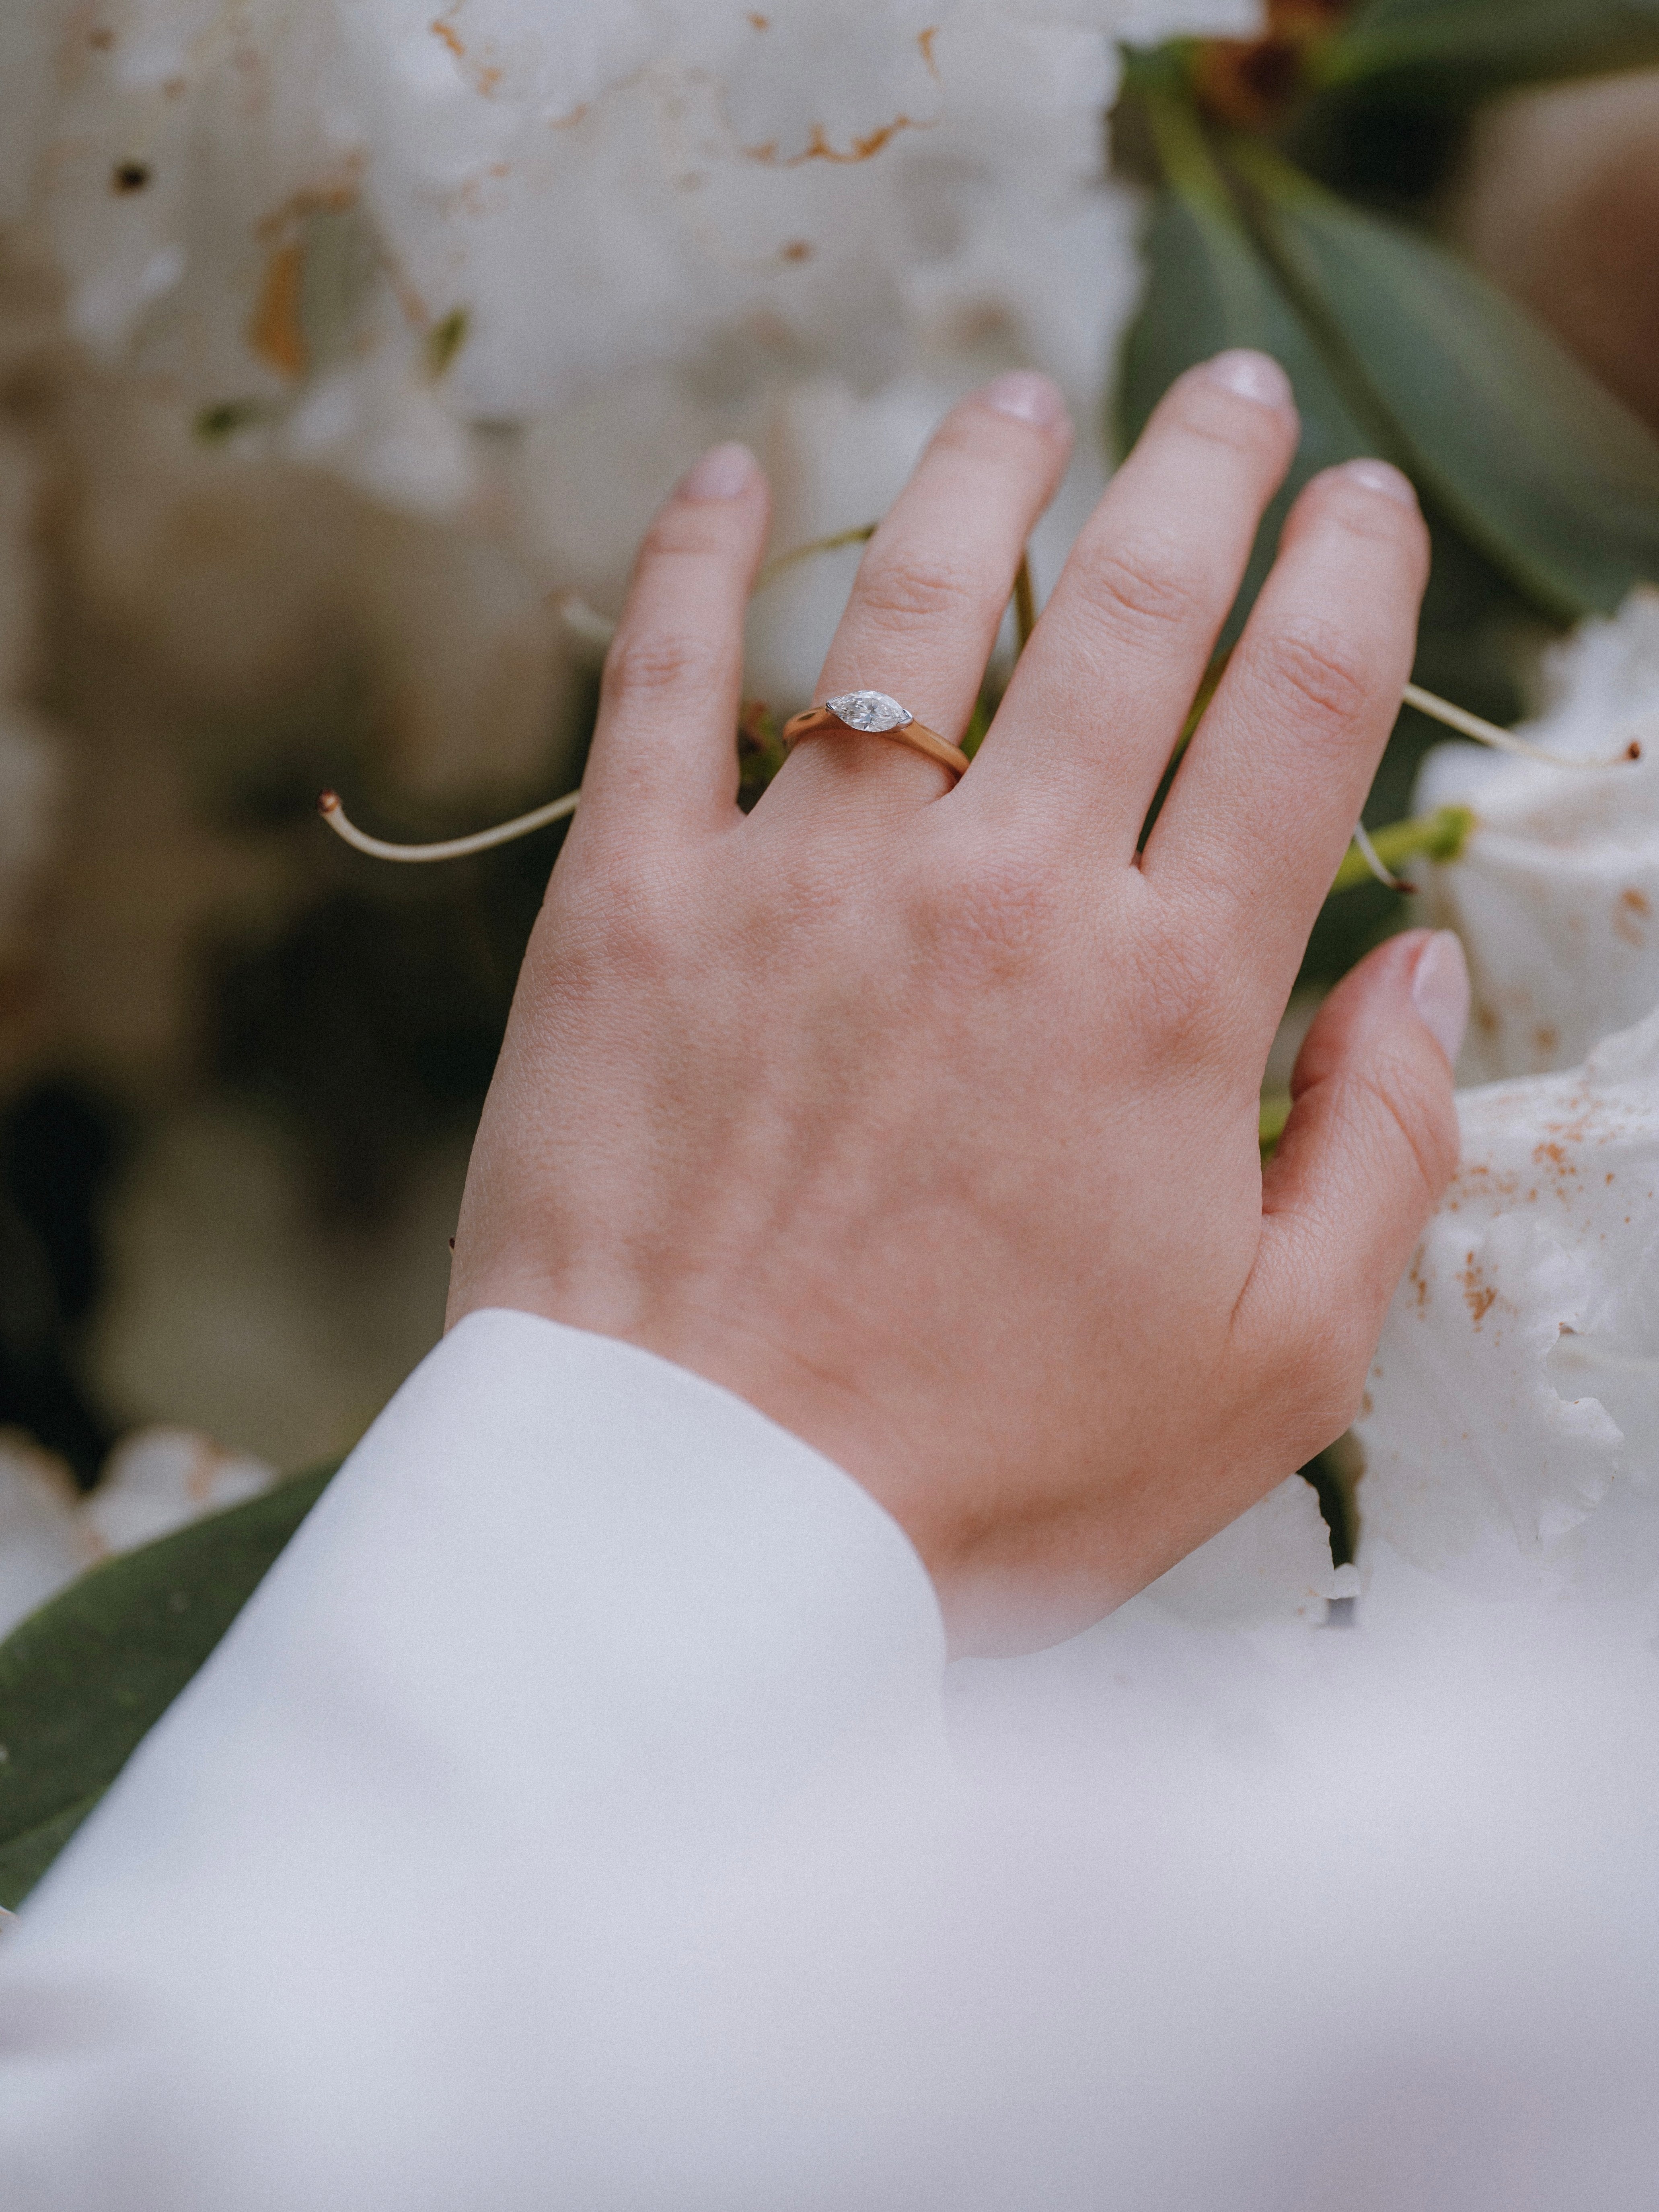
column 925, row 1118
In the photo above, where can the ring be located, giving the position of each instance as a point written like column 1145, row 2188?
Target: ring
column 883, row 717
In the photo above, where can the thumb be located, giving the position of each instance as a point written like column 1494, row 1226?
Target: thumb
column 1370, row 1145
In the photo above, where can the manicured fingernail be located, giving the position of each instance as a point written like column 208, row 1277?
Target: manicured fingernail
column 1027, row 396
column 1256, row 376
column 724, row 473
column 1440, row 991
column 1383, row 476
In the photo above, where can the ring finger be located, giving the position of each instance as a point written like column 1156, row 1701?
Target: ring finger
column 930, row 593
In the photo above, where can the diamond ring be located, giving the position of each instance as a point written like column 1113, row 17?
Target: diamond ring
column 883, row 717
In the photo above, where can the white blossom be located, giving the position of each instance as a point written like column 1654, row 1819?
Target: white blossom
column 509, row 265
column 1556, row 891
column 1510, row 1427
column 40, row 1546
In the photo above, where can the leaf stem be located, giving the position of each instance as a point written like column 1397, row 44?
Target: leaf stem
column 1184, row 152
column 1440, row 836
column 771, row 570
column 1024, row 603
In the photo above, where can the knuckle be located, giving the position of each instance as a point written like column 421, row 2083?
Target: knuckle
column 615, row 919
column 1420, row 1115
column 1208, row 412
column 1148, row 585
column 1179, row 982
column 1318, row 673
column 900, row 592
column 647, row 664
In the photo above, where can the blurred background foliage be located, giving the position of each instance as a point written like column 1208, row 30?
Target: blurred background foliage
column 1301, row 181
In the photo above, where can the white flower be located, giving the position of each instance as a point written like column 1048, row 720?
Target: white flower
column 1270, row 1566
column 1511, row 1429
column 1556, row 894
column 41, row 1546
column 516, row 262
column 155, row 1480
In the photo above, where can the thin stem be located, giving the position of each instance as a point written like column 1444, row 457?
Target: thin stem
column 1373, row 860
column 1440, row 836
column 1024, row 603
column 451, row 848
column 1272, row 1114
column 774, row 567
column 1506, row 741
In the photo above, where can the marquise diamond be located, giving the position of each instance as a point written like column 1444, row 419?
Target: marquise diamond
column 870, row 710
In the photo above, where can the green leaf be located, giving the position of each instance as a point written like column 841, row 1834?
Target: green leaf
column 82, row 1680
column 1537, row 464
column 1462, row 49
column 1209, row 287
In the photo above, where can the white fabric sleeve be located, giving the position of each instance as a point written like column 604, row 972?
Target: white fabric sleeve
column 571, row 1633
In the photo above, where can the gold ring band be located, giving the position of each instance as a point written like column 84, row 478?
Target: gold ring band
column 878, row 714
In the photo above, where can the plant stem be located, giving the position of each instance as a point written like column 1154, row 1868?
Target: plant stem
column 1440, row 836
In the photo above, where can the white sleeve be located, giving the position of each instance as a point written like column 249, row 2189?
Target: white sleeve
column 568, row 1633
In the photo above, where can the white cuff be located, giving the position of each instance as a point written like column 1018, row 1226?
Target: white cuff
column 568, row 1619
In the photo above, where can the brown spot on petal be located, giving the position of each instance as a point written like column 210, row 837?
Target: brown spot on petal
column 1479, row 1294
column 798, row 249
column 1628, row 916
column 925, row 42
column 450, row 37
column 818, row 148
column 275, row 331
column 762, row 23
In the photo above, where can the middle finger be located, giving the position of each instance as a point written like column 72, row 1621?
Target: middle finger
column 1100, row 694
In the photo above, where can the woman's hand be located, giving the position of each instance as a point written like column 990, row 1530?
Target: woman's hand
column 925, row 1117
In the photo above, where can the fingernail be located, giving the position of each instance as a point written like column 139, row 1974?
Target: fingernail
column 1380, row 476
column 1440, row 991
column 1027, row 396
column 1256, row 376
column 723, row 472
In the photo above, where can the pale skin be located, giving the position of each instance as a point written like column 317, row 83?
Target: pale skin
column 923, row 1115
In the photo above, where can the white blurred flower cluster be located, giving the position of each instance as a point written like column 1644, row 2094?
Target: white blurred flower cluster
column 1556, row 892
column 1511, row 1430
column 504, row 266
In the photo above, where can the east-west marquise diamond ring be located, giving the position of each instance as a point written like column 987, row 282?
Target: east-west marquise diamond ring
column 881, row 716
